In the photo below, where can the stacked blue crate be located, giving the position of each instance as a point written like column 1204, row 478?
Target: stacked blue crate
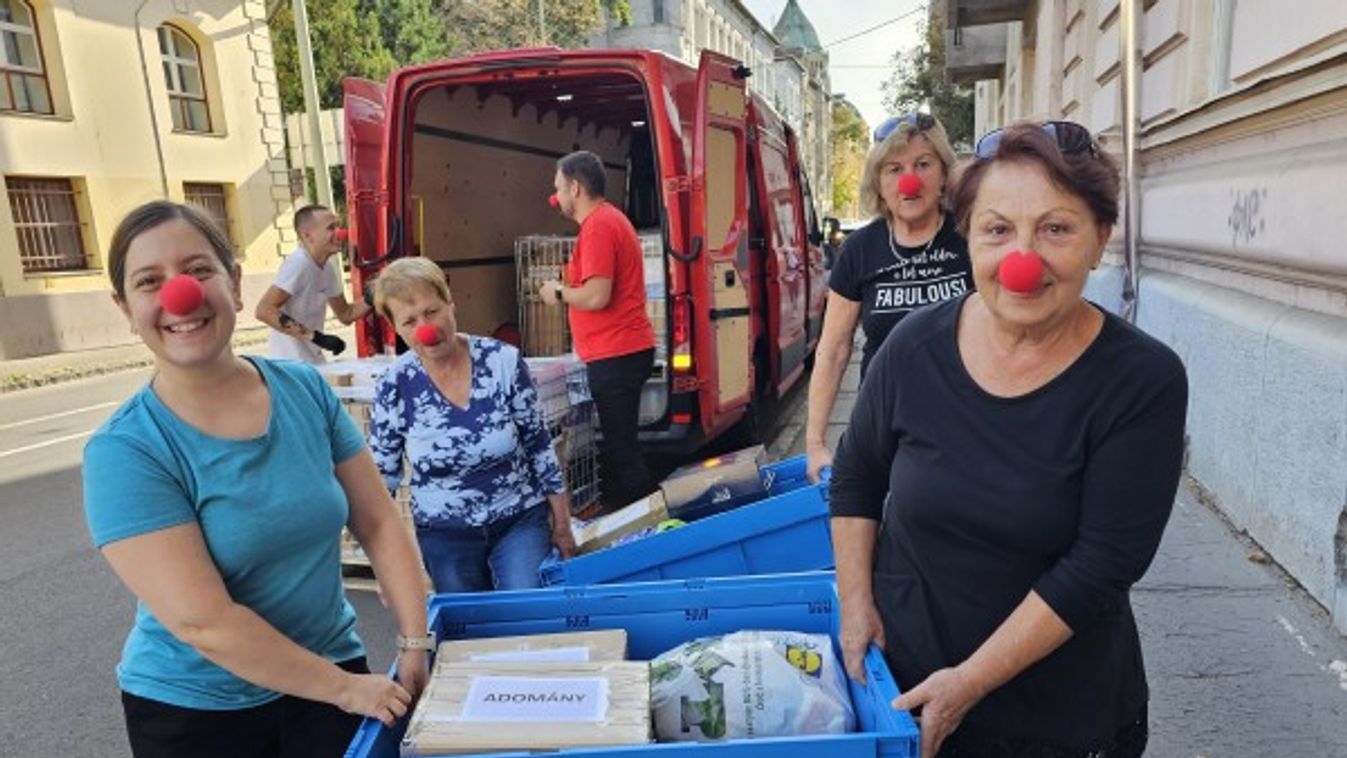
column 788, row 531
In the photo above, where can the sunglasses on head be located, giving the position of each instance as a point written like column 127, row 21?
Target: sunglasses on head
column 919, row 122
column 1071, row 139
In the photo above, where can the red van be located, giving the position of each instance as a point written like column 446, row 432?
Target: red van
column 454, row 161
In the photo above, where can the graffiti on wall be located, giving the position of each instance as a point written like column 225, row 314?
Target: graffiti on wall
column 1246, row 215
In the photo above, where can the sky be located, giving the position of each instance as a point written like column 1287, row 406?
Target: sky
column 859, row 66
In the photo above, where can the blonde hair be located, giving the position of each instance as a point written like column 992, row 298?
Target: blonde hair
column 405, row 275
column 870, row 198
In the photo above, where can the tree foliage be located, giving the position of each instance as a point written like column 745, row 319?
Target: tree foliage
column 370, row 38
column 918, row 83
column 364, row 38
column 850, row 140
column 478, row 25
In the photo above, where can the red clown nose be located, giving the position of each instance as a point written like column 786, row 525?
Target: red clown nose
column 553, row 200
column 909, row 185
column 1021, row 271
column 343, row 235
column 181, row 295
column 428, row 335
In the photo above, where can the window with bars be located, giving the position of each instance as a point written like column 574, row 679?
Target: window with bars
column 211, row 199
column 181, row 61
column 47, row 223
column 24, row 88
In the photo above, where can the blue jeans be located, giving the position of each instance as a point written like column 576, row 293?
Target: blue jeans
column 502, row 556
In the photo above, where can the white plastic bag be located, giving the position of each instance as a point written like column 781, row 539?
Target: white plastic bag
column 749, row 684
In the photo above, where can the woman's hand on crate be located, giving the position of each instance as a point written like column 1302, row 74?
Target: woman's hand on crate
column 414, row 671
column 563, row 536
column 818, row 458
column 944, row 698
column 861, row 626
column 374, row 696
column 564, row 540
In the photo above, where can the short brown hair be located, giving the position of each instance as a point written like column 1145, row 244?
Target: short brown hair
column 151, row 215
column 1090, row 175
column 404, row 275
column 586, row 168
column 303, row 215
column 871, row 200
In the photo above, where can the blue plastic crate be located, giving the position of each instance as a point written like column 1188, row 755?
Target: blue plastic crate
column 661, row 615
column 788, row 531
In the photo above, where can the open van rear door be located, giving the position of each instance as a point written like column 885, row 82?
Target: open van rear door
column 366, row 199
column 719, row 226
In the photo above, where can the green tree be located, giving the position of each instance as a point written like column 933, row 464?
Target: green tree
column 850, row 139
column 365, row 38
column 413, row 31
column 918, row 80
column 477, row 25
column 370, row 38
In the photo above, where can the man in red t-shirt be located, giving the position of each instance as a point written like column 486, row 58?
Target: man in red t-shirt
column 605, row 289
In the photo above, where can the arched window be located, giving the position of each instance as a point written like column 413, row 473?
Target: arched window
column 182, row 77
column 25, row 81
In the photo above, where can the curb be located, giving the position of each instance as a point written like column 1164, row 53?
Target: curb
column 60, row 375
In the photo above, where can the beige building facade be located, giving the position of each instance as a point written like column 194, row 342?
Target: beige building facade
column 1242, row 167
column 107, row 104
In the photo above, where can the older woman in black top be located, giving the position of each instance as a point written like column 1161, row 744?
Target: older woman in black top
column 909, row 256
column 1009, row 469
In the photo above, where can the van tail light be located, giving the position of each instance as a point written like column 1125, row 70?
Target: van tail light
column 681, row 350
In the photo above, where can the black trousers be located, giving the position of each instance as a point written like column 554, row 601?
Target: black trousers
column 616, row 385
column 289, row 727
column 1128, row 742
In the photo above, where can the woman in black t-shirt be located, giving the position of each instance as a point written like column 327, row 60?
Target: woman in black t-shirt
column 1008, row 472
column 909, row 256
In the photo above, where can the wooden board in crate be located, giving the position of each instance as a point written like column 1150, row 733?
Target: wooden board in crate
column 493, row 707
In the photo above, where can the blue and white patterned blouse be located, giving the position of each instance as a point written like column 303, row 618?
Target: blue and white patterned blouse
column 470, row 466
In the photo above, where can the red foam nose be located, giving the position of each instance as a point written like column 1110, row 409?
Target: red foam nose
column 428, row 335
column 181, row 295
column 553, row 200
column 343, row 235
column 1021, row 271
column 910, row 185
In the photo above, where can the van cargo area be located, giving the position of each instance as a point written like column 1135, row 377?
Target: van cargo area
column 482, row 159
column 454, row 160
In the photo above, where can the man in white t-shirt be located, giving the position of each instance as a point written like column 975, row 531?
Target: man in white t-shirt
column 307, row 284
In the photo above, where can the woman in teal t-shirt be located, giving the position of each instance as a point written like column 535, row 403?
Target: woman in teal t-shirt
column 218, row 494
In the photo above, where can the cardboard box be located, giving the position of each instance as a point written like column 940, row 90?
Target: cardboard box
column 601, row 532
column 566, row 647
column 715, row 485
column 475, row 707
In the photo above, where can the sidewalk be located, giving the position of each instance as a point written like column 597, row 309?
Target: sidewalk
column 26, row 373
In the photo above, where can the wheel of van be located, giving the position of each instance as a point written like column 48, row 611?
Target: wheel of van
column 748, row 431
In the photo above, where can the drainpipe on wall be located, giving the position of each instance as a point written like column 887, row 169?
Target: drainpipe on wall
column 1131, row 126
column 149, row 99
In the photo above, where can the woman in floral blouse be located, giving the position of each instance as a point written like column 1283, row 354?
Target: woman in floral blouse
column 487, row 492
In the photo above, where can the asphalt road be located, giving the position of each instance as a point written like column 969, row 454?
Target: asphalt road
column 1241, row 663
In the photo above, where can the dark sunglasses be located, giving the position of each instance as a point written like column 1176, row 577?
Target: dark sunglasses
column 918, row 121
column 1071, row 139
